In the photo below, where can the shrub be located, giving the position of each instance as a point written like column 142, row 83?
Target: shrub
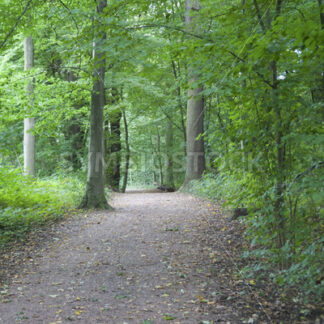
column 26, row 203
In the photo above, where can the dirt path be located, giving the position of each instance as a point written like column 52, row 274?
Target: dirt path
column 152, row 260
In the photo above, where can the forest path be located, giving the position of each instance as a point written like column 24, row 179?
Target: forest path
column 154, row 259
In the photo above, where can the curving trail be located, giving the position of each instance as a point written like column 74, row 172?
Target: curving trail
column 154, row 259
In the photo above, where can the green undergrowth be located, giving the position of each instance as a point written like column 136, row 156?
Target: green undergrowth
column 298, row 264
column 26, row 203
column 215, row 187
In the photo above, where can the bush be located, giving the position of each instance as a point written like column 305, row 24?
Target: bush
column 299, row 263
column 26, row 203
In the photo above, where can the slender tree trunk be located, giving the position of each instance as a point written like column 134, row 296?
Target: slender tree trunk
column 195, row 165
column 95, row 189
column 114, row 144
column 154, row 175
column 125, row 178
column 318, row 94
column 169, row 178
column 155, row 166
column 280, row 176
column 115, row 151
column 29, row 123
column 280, row 222
column 321, row 11
column 183, row 125
column 159, row 154
column 74, row 132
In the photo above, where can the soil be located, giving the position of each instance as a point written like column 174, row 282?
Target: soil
column 157, row 258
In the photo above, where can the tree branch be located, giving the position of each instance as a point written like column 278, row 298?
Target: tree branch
column 69, row 10
column 259, row 15
column 165, row 26
column 16, row 24
column 258, row 73
column 199, row 37
column 313, row 167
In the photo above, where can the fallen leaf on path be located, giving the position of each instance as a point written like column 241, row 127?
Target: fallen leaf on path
column 202, row 299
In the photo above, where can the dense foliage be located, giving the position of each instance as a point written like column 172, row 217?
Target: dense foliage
column 26, row 204
column 260, row 64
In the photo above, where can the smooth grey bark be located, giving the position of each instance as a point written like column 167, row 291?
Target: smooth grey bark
column 195, row 165
column 169, row 178
column 29, row 123
column 95, row 190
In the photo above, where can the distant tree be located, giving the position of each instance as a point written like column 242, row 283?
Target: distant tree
column 169, row 177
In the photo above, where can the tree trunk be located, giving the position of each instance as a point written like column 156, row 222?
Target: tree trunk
column 29, row 123
column 321, row 12
column 195, row 165
column 74, row 132
column 169, row 178
column 115, row 150
column 95, row 189
column 159, row 154
column 280, row 176
column 183, row 125
column 123, row 189
column 114, row 145
column 318, row 93
column 154, row 163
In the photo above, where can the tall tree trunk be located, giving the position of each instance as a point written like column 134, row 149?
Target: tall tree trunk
column 125, row 178
column 29, row 123
column 169, row 178
column 95, row 193
column 195, row 165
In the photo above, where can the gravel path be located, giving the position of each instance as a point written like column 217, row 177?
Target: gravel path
column 151, row 260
